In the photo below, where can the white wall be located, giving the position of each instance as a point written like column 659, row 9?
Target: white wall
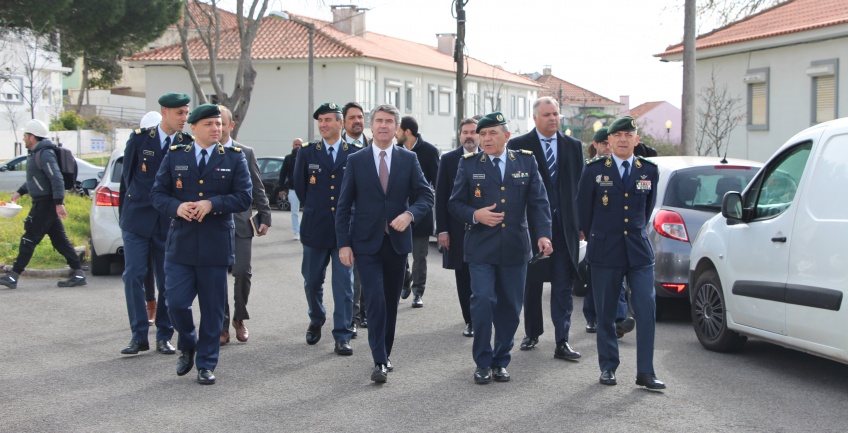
column 790, row 91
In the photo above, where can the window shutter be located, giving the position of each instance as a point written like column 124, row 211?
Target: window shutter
column 759, row 104
column 825, row 98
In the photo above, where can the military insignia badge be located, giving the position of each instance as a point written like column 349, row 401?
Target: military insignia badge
column 644, row 185
column 318, row 146
column 312, row 180
column 179, row 183
column 500, row 118
column 332, row 106
column 633, row 123
column 608, row 163
column 152, row 132
column 598, row 178
column 344, row 146
column 638, row 164
column 605, row 200
column 144, row 167
column 477, row 192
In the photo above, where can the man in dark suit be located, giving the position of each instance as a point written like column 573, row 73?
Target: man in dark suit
column 428, row 157
column 143, row 228
column 451, row 230
column 199, row 187
column 318, row 173
column 497, row 243
column 241, row 269
column 560, row 160
column 373, row 226
column 616, row 196
column 287, row 186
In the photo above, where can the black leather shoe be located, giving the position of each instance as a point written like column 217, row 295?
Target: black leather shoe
column 564, row 351
column 205, row 377
column 528, row 343
column 185, row 362
column 135, row 347
column 363, row 321
column 354, row 331
column 500, row 374
column 313, row 334
column 389, row 366
column 164, row 346
column 624, row 326
column 591, row 327
column 469, row 331
column 482, row 375
column 343, row 348
column 649, row 381
column 405, row 292
column 607, row 378
column 379, row 374
column 417, row 302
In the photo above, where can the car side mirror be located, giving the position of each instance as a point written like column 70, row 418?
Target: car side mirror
column 100, row 174
column 731, row 206
column 89, row 184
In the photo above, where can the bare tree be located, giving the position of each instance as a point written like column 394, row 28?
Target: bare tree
column 25, row 64
column 722, row 12
column 205, row 20
column 718, row 114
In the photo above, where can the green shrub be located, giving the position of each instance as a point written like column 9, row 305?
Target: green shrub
column 99, row 124
column 67, row 121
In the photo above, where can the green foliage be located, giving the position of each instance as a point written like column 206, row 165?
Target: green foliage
column 662, row 147
column 99, row 124
column 45, row 257
column 67, row 121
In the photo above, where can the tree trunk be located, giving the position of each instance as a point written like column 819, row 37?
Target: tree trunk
column 83, row 84
column 689, row 98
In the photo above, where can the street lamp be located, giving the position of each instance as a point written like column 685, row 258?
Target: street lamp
column 311, row 97
column 597, row 125
column 668, row 130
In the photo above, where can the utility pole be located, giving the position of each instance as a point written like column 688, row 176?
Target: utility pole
column 688, row 126
column 459, row 59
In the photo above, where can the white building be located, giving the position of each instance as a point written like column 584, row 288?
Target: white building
column 784, row 64
column 350, row 64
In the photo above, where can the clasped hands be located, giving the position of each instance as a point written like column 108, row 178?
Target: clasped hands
column 194, row 210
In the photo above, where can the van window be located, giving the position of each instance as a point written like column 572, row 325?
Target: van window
column 776, row 189
column 704, row 187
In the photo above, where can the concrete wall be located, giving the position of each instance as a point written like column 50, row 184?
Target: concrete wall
column 790, row 89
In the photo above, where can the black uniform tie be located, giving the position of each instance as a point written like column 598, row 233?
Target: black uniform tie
column 626, row 176
column 202, row 164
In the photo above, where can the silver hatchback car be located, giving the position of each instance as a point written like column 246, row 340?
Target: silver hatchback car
column 689, row 193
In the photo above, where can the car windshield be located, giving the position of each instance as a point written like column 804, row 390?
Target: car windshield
column 703, row 188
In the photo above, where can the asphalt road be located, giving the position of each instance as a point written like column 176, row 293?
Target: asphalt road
column 60, row 370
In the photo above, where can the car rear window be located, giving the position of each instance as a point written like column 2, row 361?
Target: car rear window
column 118, row 170
column 704, row 187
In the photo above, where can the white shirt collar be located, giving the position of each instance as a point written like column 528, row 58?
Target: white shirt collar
column 542, row 137
column 618, row 160
column 334, row 145
column 229, row 143
column 162, row 136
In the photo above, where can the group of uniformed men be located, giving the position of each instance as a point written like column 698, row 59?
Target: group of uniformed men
column 495, row 209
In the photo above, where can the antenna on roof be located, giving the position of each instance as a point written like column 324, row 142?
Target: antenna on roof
column 724, row 158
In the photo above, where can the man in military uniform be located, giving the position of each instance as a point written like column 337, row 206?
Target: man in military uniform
column 495, row 194
column 615, row 198
column 143, row 228
column 318, row 173
column 199, row 186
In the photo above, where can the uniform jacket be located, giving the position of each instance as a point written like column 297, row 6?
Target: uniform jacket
column 142, row 157
column 225, row 182
column 242, row 219
column 569, row 166
column 46, row 182
column 521, row 196
column 614, row 216
column 364, row 209
column 428, row 158
column 452, row 258
column 318, row 183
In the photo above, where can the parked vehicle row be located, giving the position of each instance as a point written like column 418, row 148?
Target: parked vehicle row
column 13, row 173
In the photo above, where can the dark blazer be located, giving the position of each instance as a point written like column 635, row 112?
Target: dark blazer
column 225, row 182
column 318, row 182
column 428, row 158
column 452, row 258
column 520, row 196
column 142, row 157
column 569, row 167
column 613, row 216
column 364, row 209
column 242, row 219
column 287, row 172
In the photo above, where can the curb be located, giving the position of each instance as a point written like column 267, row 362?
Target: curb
column 52, row 273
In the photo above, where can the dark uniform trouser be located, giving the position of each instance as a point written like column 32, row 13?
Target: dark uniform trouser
column 463, row 290
column 496, row 294
column 149, row 280
column 43, row 220
column 137, row 252
column 416, row 277
column 241, row 286
column 562, row 289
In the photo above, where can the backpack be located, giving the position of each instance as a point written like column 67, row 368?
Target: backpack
column 67, row 165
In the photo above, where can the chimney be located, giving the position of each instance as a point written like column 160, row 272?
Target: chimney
column 546, row 70
column 447, row 42
column 625, row 100
column 349, row 19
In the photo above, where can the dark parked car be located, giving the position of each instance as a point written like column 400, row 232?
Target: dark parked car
column 269, row 172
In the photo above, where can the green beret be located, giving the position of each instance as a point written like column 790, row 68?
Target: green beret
column 204, row 111
column 174, row 100
column 625, row 123
column 327, row 107
column 601, row 135
column 491, row 119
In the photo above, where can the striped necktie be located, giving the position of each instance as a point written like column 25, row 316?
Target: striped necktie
column 549, row 155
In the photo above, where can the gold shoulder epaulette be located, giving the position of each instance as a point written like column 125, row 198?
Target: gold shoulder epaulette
column 235, row 149
column 305, row 144
column 183, row 137
column 468, row 155
column 647, row 160
column 177, row 146
column 525, row 151
column 595, row 160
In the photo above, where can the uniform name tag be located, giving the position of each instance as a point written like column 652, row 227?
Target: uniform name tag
column 149, row 152
column 643, row 185
column 222, row 169
column 479, row 176
column 181, row 167
column 605, row 183
column 314, row 166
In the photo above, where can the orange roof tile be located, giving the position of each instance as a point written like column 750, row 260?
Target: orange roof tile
column 279, row 38
column 571, row 94
column 641, row 109
column 791, row 17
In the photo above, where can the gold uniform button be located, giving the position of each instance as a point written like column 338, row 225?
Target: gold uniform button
column 503, row 225
column 332, row 209
column 332, row 176
column 201, row 181
column 625, row 194
column 503, row 188
column 332, row 187
column 626, row 220
column 503, row 200
column 200, row 194
column 332, row 198
column 625, row 232
column 625, row 207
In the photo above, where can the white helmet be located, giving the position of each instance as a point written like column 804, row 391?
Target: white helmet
column 36, row 128
column 151, row 119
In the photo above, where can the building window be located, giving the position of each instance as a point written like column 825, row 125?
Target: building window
column 366, row 86
column 513, row 109
column 444, row 100
column 824, row 90
column 431, row 99
column 522, row 107
column 488, row 103
column 393, row 92
column 757, row 81
column 11, row 89
column 408, row 97
column 472, row 101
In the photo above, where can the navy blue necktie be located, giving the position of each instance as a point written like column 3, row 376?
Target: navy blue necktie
column 626, row 176
column 332, row 155
column 202, row 164
column 167, row 143
column 497, row 162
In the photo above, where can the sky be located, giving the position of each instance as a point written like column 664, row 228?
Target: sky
column 605, row 46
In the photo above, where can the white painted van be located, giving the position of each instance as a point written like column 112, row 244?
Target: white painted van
column 774, row 264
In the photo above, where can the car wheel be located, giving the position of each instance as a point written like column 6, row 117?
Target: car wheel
column 100, row 265
column 709, row 316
